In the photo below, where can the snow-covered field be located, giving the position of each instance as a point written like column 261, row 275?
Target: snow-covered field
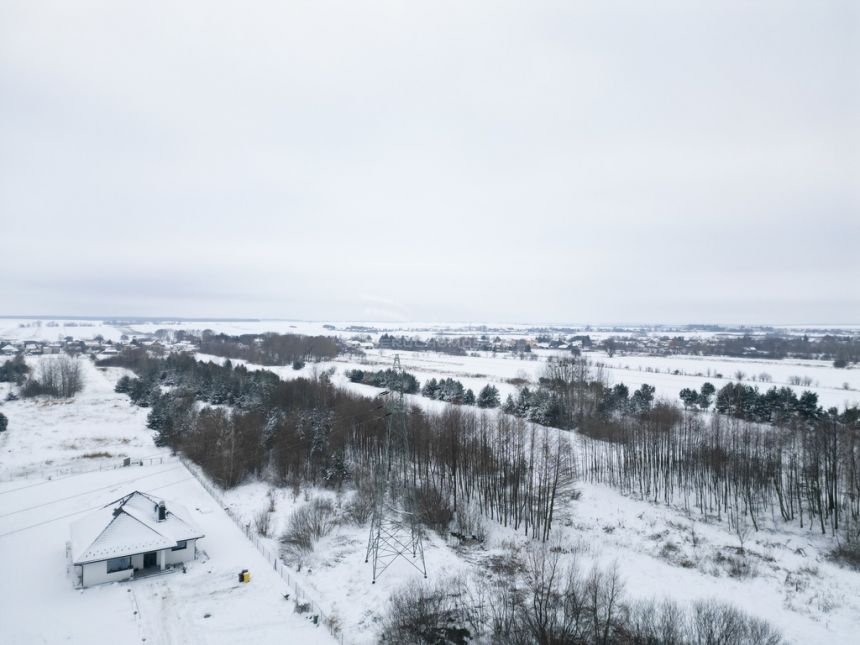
column 59, row 460
column 669, row 375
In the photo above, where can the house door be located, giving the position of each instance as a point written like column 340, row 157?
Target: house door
column 150, row 559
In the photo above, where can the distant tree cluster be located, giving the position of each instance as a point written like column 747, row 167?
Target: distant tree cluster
column 56, row 377
column 271, row 348
column 568, row 395
column 207, row 382
column 449, row 390
column 841, row 349
column 14, row 371
column 454, row 345
column 776, row 405
column 701, row 398
column 388, row 379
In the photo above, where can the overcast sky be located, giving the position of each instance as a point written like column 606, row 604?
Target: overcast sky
column 668, row 161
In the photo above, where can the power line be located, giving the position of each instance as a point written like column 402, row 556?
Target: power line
column 88, row 492
column 78, row 474
column 93, row 508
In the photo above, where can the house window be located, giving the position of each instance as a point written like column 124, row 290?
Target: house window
column 180, row 545
column 119, row 564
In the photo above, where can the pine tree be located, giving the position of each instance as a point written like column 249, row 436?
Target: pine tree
column 488, row 397
column 705, row 393
column 123, row 385
column 642, row 398
column 689, row 397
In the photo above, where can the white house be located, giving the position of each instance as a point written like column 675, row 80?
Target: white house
column 135, row 535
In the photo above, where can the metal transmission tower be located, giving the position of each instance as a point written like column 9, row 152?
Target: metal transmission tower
column 394, row 530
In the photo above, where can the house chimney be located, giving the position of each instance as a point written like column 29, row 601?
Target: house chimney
column 162, row 512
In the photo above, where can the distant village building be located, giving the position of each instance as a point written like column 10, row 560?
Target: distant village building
column 8, row 350
column 135, row 535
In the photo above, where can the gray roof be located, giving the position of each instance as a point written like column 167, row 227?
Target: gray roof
column 128, row 526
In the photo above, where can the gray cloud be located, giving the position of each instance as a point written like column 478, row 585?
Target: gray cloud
column 578, row 161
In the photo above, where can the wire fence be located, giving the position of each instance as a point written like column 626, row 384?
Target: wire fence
column 69, row 470
column 305, row 602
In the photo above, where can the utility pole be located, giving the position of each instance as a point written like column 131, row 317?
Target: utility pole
column 394, row 530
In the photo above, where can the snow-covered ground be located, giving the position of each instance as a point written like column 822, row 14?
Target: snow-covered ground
column 95, row 429
column 38, row 604
column 692, row 371
column 834, row 387
column 661, row 551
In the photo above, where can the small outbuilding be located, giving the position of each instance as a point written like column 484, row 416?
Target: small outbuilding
column 136, row 535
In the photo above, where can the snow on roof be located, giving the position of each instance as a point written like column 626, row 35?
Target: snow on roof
column 8, row 348
column 128, row 526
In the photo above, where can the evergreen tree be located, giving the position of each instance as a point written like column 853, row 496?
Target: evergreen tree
column 488, row 397
column 157, row 416
column 705, row 393
column 642, row 398
column 469, row 398
column 689, row 397
column 14, row 371
column 4, row 422
column 123, row 385
column 430, row 389
column 807, row 406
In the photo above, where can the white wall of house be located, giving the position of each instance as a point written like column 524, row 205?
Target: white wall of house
column 95, row 573
column 183, row 555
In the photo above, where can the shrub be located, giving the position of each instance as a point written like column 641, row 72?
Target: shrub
column 4, row 422
column 263, row 522
column 712, row 621
column 845, row 553
column 298, row 364
column 360, row 506
column 308, row 524
column 423, row 613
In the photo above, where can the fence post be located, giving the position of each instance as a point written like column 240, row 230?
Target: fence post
column 246, row 528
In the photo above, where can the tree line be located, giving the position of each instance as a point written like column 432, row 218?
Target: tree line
column 801, row 470
column 270, row 348
column 388, row 379
column 839, row 348
column 450, row 462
